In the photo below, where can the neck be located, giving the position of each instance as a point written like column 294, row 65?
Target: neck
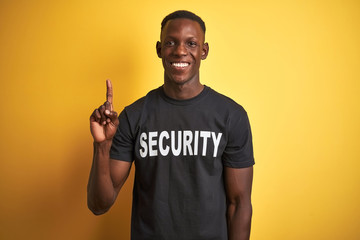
column 183, row 91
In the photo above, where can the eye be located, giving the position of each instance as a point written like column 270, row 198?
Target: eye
column 169, row 43
column 192, row 44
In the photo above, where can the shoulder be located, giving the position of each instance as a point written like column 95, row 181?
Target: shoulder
column 133, row 113
column 139, row 104
column 224, row 103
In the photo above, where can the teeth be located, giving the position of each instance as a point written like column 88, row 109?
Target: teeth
column 180, row 64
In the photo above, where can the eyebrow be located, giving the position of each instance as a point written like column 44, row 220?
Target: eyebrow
column 188, row 38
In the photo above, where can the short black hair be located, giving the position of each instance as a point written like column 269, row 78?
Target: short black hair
column 183, row 14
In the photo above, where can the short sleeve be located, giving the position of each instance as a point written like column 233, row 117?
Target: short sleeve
column 238, row 152
column 122, row 147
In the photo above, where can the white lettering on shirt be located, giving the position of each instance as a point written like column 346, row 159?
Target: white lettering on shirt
column 216, row 141
column 163, row 151
column 152, row 143
column 175, row 151
column 196, row 143
column 205, row 135
column 188, row 137
column 186, row 142
column 143, row 151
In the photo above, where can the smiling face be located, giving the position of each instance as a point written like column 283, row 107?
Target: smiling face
column 181, row 49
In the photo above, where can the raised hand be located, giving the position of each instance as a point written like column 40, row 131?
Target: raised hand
column 104, row 121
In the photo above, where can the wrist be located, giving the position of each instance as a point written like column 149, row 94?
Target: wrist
column 106, row 144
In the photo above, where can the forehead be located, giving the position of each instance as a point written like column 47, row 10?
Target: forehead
column 182, row 27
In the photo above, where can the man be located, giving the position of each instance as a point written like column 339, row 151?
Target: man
column 192, row 149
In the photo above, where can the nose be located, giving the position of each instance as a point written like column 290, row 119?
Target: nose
column 180, row 50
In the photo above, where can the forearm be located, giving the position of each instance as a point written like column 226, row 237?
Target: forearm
column 239, row 220
column 101, row 192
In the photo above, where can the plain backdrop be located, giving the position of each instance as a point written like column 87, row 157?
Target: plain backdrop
column 293, row 65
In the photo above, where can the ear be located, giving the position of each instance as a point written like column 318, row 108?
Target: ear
column 205, row 51
column 158, row 49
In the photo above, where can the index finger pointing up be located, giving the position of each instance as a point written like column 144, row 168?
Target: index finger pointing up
column 109, row 92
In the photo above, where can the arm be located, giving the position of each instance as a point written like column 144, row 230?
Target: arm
column 238, row 183
column 107, row 176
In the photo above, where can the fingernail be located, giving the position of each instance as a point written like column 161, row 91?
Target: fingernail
column 107, row 112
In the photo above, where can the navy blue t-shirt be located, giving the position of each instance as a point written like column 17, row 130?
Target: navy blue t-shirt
column 180, row 148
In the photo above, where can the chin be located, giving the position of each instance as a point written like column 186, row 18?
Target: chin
column 179, row 80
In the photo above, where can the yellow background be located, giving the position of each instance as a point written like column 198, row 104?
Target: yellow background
column 293, row 65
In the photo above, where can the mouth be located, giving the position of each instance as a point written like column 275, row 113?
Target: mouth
column 179, row 65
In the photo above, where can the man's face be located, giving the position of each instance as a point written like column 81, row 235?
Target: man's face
column 181, row 49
